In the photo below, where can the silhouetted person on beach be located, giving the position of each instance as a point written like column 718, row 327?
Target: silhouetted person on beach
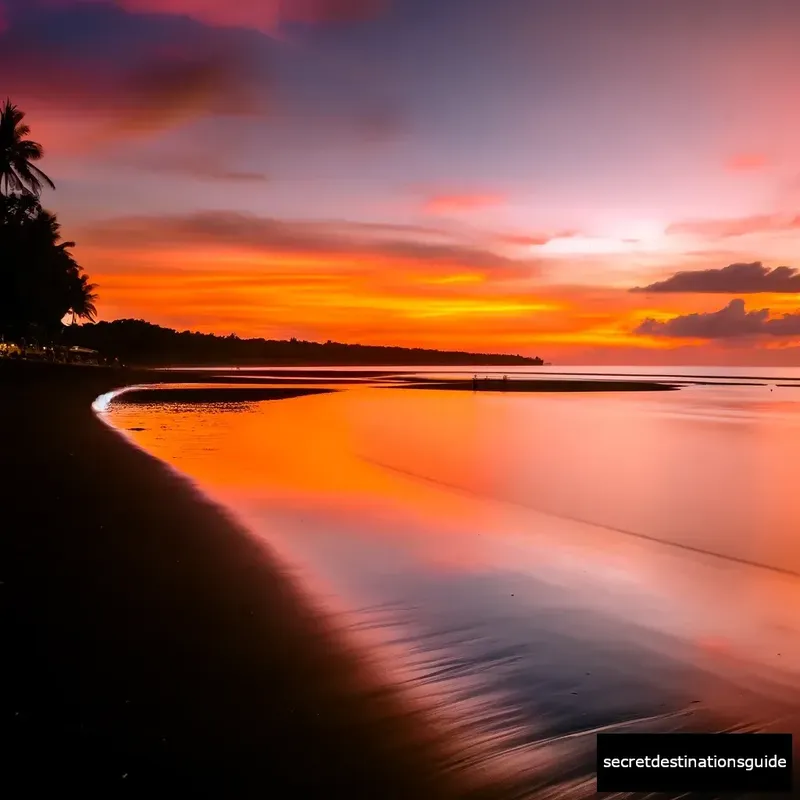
column 505, row 382
column 474, row 383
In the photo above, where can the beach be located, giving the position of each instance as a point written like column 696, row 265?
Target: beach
column 155, row 643
column 371, row 431
column 152, row 645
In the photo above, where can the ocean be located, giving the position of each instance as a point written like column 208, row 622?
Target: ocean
column 533, row 568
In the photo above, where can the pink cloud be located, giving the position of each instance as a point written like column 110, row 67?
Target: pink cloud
column 266, row 16
column 525, row 240
column 534, row 240
column 736, row 226
column 747, row 162
column 450, row 203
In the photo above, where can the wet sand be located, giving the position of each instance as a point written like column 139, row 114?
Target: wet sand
column 230, row 394
column 153, row 646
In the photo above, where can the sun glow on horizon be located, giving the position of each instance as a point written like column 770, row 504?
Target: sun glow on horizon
column 629, row 236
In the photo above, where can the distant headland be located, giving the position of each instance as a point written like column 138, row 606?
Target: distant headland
column 140, row 343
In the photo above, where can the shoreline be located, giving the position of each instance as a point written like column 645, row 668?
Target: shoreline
column 152, row 644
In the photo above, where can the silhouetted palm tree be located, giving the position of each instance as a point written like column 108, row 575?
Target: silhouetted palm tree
column 40, row 281
column 17, row 172
column 82, row 299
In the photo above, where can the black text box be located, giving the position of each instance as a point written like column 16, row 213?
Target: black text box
column 686, row 762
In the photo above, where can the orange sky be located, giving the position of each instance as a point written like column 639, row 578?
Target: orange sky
column 291, row 170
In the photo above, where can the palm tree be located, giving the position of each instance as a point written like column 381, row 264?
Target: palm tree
column 82, row 299
column 17, row 172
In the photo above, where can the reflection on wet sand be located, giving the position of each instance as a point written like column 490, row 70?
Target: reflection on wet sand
column 505, row 557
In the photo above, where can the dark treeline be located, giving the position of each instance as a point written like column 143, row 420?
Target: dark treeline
column 40, row 281
column 136, row 342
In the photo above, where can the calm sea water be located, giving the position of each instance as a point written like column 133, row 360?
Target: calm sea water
column 535, row 568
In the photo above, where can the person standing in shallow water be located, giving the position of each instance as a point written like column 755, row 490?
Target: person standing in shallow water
column 474, row 383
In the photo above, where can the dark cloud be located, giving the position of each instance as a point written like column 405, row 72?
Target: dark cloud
column 731, row 322
column 238, row 176
column 125, row 78
column 171, row 91
column 267, row 16
column 749, row 278
column 235, row 230
column 107, row 75
column 735, row 226
column 202, row 166
column 209, row 172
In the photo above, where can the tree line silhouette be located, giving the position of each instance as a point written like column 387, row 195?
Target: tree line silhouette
column 40, row 280
column 135, row 341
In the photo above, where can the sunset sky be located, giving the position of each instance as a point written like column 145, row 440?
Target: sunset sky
column 489, row 175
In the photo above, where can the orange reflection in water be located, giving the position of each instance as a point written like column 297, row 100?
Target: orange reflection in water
column 590, row 486
column 307, row 450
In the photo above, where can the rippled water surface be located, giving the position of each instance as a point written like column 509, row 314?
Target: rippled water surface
column 535, row 567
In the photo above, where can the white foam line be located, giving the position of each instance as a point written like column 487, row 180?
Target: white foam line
column 101, row 404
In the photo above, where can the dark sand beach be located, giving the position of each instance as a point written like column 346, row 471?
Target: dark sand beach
column 151, row 646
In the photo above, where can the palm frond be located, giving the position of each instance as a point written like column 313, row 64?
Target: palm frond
column 17, row 172
column 28, row 180
column 12, row 181
column 33, row 151
column 44, row 178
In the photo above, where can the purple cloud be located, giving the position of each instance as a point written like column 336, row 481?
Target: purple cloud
column 732, row 321
column 734, row 279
